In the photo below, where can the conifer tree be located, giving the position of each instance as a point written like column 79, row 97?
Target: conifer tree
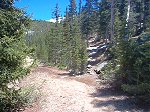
column 67, row 39
column 86, row 24
column 13, row 51
column 72, row 12
column 56, row 14
column 104, row 19
column 74, row 39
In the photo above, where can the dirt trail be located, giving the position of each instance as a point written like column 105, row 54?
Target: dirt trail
column 62, row 93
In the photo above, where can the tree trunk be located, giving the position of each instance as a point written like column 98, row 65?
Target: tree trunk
column 127, row 20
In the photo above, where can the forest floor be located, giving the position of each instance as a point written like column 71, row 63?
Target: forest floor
column 59, row 92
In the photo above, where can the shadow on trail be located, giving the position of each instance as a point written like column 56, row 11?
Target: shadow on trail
column 65, row 74
column 118, row 105
column 106, row 92
column 112, row 98
column 86, row 79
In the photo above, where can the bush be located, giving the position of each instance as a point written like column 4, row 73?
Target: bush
column 12, row 100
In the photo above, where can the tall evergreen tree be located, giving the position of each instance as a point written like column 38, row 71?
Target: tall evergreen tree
column 72, row 12
column 104, row 19
column 66, row 39
column 56, row 14
column 86, row 24
column 13, row 51
column 74, row 39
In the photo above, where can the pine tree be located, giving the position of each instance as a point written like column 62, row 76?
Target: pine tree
column 67, row 39
column 78, row 45
column 13, row 51
column 72, row 12
column 86, row 24
column 72, row 37
column 56, row 14
column 104, row 19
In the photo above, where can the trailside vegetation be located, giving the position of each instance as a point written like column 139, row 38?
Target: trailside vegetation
column 129, row 45
column 13, row 51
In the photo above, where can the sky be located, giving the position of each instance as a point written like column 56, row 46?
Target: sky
column 42, row 9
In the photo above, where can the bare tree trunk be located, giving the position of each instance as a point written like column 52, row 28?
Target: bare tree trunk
column 106, row 36
column 127, row 19
column 128, row 12
column 112, row 21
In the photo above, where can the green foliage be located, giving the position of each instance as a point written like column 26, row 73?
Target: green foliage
column 143, row 88
column 130, row 57
column 78, row 49
column 13, row 51
column 13, row 99
column 88, row 18
column 10, row 100
column 60, row 45
column 131, row 65
column 133, row 61
column 104, row 19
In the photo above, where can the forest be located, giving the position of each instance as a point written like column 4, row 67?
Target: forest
column 123, row 26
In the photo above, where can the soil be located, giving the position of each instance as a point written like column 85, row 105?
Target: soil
column 59, row 92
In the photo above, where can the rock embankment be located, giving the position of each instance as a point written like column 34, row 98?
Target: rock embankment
column 95, row 50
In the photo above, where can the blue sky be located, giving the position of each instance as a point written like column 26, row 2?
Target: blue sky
column 42, row 9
